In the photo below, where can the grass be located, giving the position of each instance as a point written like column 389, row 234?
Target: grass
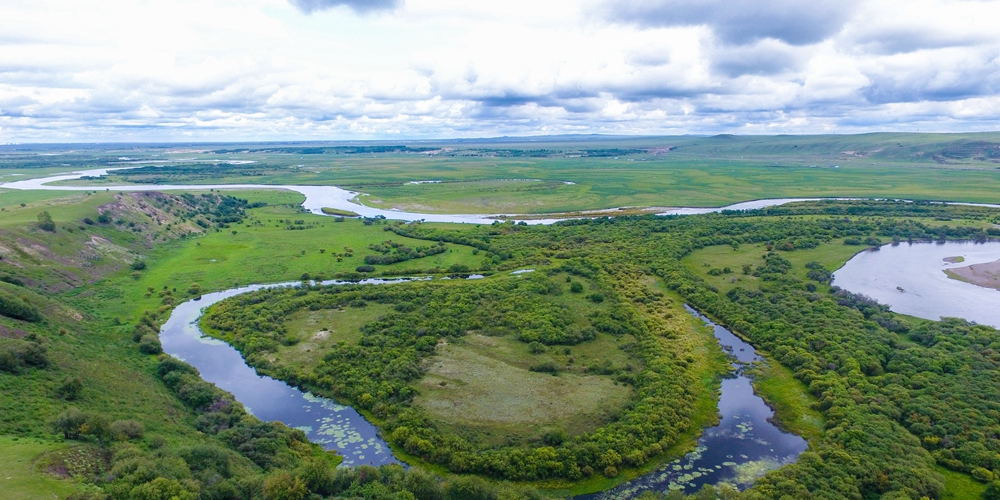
column 342, row 213
column 20, row 477
column 496, row 177
column 958, row 486
column 468, row 389
column 263, row 251
column 319, row 330
column 790, row 399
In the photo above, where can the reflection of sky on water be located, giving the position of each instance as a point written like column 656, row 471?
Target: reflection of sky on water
column 333, row 426
column 740, row 449
column 911, row 279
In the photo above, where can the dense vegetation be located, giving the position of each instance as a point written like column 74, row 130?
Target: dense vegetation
column 378, row 373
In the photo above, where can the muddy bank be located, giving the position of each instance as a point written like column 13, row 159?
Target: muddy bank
column 985, row 275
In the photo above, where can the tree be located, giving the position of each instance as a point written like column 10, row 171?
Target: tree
column 70, row 423
column 576, row 287
column 45, row 222
column 992, row 491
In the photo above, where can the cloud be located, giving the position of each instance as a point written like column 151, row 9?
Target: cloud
column 360, row 6
column 739, row 22
column 955, row 76
column 766, row 57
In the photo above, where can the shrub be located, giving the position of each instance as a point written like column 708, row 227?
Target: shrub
column 138, row 265
column 545, row 367
column 17, row 355
column 365, row 269
column 576, row 287
column 15, row 307
column 45, row 222
column 150, row 344
column 70, row 388
column 127, row 429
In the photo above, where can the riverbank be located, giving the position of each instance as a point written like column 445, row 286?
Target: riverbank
column 986, row 275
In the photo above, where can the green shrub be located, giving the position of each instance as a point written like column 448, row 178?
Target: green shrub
column 150, row 344
column 45, row 222
column 16, row 307
column 70, row 388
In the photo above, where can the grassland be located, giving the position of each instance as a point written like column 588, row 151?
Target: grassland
column 831, row 255
column 960, row 486
column 558, row 175
column 20, row 477
column 469, row 389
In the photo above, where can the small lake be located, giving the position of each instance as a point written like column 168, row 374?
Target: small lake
column 741, row 448
column 333, row 426
column 910, row 278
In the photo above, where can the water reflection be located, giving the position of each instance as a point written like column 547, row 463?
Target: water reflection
column 910, row 278
column 740, row 449
column 333, row 426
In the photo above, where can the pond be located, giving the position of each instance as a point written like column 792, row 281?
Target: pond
column 739, row 449
column 911, row 279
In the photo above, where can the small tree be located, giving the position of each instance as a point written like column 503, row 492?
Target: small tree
column 45, row 222
column 70, row 423
column 576, row 287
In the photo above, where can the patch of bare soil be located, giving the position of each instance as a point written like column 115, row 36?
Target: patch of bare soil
column 12, row 333
column 985, row 275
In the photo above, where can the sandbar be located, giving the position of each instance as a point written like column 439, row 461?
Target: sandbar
column 985, row 275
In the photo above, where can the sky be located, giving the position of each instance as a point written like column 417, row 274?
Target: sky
column 208, row 70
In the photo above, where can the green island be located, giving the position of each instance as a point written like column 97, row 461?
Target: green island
column 342, row 213
column 554, row 361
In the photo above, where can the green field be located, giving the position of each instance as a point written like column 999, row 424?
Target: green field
column 558, row 175
column 21, row 474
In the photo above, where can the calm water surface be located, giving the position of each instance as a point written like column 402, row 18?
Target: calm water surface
column 740, row 449
column 333, row 426
column 910, row 278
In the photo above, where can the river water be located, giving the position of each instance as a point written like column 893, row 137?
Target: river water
column 333, row 426
column 743, row 446
column 911, row 279
column 318, row 197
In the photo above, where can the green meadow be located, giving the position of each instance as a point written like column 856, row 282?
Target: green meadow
column 558, row 175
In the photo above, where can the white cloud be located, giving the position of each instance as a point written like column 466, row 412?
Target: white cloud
column 263, row 69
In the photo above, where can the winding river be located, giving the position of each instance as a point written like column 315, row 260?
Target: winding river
column 318, row 197
column 333, row 426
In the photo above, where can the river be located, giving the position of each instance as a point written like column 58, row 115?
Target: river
column 910, row 278
column 739, row 449
column 333, row 426
column 318, row 197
